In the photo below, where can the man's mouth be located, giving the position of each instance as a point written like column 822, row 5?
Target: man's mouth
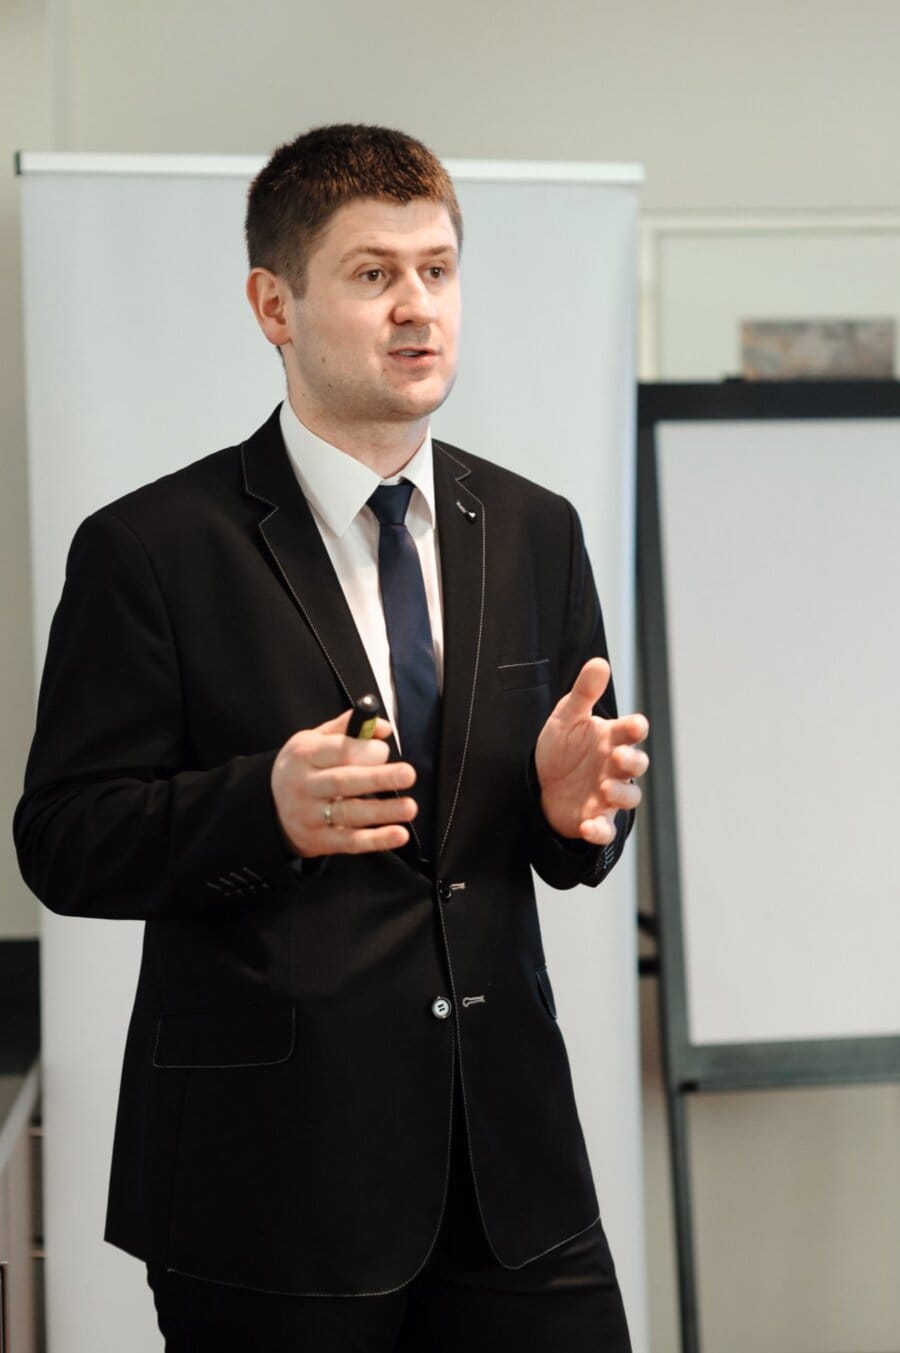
column 413, row 352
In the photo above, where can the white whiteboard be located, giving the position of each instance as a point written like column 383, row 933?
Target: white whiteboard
column 781, row 557
column 141, row 356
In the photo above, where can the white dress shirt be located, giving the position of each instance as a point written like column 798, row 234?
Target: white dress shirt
column 337, row 488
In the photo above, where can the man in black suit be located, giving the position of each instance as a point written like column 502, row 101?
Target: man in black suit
column 346, row 1119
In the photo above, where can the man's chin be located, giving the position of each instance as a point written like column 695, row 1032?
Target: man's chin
column 421, row 400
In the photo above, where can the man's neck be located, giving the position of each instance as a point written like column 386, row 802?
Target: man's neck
column 384, row 447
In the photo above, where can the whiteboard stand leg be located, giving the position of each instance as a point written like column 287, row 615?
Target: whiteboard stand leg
column 676, row 1104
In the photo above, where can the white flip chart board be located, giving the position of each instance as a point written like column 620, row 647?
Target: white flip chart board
column 782, row 560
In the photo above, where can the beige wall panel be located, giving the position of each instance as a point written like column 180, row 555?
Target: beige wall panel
column 763, row 105
column 24, row 119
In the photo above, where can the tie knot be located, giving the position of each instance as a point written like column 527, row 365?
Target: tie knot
column 390, row 501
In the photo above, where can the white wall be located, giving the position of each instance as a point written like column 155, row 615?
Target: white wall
column 778, row 104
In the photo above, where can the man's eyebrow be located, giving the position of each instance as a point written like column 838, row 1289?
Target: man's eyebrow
column 381, row 251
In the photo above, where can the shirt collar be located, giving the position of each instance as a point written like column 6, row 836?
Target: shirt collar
column 338, row 486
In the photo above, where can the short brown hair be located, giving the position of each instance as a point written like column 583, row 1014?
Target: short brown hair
column 294, row 196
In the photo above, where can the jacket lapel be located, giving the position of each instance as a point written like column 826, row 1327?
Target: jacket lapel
column 461, row 539
column 291, row 537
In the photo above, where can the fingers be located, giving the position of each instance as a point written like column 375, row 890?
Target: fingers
column 620, row 794
column 598, row 831
column 630, row 729
column 601, row 830
column 354, row 826
column 339, row 725
column 587, row 689
column 628, row 763
column 321, row 782
column 322, row 826
column 350, row 782
column 340, row 815
column 365, row 842
column 325, row 749
column 612, row 797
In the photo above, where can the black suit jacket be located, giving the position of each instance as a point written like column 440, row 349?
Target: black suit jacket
column 286, row 1100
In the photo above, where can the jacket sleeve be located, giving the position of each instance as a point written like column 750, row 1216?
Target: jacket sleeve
column 559, row 861
column 113, row 821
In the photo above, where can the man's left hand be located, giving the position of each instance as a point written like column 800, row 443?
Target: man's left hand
column 585, row 764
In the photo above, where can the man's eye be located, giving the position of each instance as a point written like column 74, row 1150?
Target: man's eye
column 437, row 270
column 372, row 275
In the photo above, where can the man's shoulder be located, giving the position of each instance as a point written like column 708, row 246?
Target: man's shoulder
column 480, row 475
column 197, row 480
column 203, row 488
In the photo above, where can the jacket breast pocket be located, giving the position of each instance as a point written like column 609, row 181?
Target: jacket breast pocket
column 225, row 1039
column 519, row 673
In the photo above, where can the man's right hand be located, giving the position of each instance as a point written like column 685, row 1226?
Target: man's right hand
column 321, row 781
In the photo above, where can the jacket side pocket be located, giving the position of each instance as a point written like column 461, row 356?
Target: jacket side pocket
column 543, row 980
column 225, row 1039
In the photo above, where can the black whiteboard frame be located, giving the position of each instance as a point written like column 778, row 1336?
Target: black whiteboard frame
column 690, row 1067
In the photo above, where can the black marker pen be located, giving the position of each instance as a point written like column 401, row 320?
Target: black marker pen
column 362, row 721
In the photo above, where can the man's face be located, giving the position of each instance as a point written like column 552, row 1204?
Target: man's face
column 374, row 336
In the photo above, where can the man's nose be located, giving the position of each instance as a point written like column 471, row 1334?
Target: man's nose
column 414, row 302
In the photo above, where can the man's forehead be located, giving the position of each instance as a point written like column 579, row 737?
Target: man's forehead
column 370, row 225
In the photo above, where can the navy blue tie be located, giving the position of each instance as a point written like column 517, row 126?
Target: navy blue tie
column 412, row 650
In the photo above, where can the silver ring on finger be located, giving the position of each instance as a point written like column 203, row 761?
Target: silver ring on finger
column 328, row 814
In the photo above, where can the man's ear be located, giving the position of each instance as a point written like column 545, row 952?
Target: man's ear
column 268, row 295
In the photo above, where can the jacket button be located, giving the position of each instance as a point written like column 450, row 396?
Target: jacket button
column 445, row 892
column 440, row 1008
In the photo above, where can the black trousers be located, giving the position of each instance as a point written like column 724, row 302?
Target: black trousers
column 462, row 1301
